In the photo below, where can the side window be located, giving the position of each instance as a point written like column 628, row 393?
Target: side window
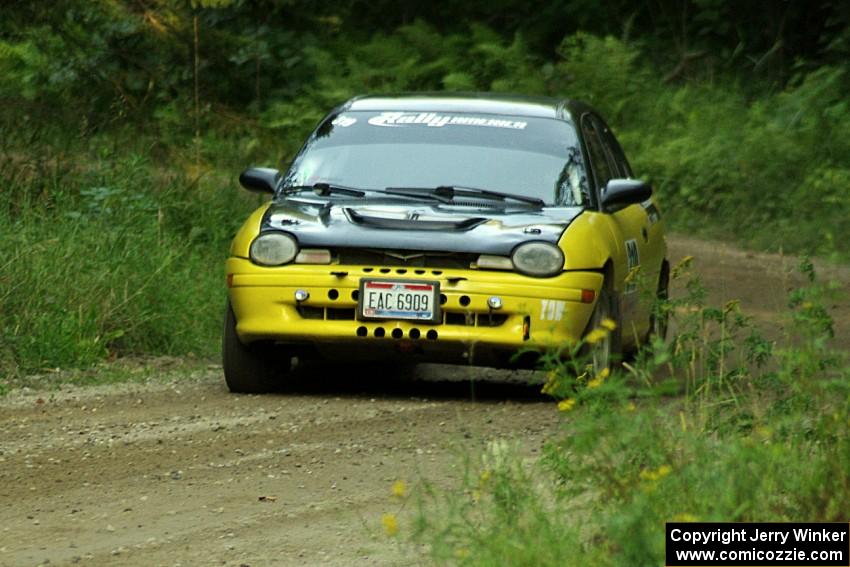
column 602, row 170
column 571, row 188
column 616, row 152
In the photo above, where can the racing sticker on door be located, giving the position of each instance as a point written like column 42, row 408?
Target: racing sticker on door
column 632, row 265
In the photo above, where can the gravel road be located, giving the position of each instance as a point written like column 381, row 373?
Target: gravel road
column 176, row 471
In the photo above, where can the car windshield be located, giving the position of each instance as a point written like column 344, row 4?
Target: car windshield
column 533, row 157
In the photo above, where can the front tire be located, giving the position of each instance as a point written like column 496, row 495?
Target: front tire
column 253, row 368
column 608, row 350
column 660, row 319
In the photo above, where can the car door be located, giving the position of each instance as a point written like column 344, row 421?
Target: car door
column 629, row 225
column 653, row 248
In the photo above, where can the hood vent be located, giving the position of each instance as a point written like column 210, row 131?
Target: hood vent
column 412, row 222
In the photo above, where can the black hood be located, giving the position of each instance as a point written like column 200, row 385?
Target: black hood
column 415, row 225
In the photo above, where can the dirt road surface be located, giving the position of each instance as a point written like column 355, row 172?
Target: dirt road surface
column 176, row 471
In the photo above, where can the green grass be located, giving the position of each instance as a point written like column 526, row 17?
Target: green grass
column 105, row 256
column 751, row 435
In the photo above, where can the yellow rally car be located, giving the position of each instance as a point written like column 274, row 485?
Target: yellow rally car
column 443, row 228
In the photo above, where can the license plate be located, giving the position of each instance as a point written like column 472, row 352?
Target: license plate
column 396, row 299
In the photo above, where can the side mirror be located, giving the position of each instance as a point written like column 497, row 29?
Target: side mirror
column 622, row 192
column 260, row 179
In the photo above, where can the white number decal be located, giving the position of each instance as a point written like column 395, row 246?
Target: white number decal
column 551, row 310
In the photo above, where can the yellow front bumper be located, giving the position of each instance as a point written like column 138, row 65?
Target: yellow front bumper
column 537, row 313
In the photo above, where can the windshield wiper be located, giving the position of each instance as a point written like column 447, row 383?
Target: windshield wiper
column 443, row 193
column 447, row 194
column 326, row 190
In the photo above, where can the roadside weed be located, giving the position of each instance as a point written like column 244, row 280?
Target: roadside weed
column 760, row 432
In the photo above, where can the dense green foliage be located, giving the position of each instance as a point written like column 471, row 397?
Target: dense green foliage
column 124, row 125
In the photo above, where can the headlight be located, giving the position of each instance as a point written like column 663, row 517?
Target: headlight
column 538, row 259
column 273, row 249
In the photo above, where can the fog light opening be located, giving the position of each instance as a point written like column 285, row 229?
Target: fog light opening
column 301, row 295
column 397, row 333
column 362, row 331
column 431, row 335
column 333, row 294
column 379, row 332
column 464, row 300
column 494, row 302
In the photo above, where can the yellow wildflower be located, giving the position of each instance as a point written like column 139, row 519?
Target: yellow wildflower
column 595, row 336
column 399, row 489
column 631, row 406
column 461, row 553
column 566, row 405
column 390, row 524
column 685, row 517
column 683, row 265
column 609, row 324
column 597, row 381
column 657, row 474
column 484, row 476
column 551, row 382
column 630, row 277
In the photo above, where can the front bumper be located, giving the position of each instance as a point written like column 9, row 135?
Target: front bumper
column 536, row 313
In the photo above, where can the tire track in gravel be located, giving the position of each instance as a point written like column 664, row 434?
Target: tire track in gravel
column 100, row 478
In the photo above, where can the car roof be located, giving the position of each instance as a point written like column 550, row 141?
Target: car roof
column 480, row 103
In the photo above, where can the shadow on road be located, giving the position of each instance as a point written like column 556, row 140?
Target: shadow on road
column 438, row 381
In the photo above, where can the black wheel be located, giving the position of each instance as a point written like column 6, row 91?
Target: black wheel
column 660, row 318
column 253, row 368
column 607, row 350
